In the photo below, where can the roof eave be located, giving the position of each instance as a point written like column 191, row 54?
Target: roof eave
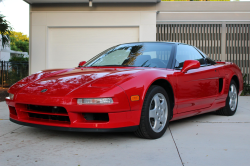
column 87, row 1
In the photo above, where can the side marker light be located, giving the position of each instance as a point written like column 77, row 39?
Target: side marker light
column 135, row 98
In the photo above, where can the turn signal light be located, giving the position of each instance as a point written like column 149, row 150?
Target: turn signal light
column 135, row 98
column 11, row 96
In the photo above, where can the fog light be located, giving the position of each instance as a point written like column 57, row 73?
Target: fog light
column 95, row 101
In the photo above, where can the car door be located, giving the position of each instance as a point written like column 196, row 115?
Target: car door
column 197, row 88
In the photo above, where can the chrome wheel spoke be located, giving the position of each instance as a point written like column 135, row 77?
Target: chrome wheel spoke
column 232, row 97
column 232, row 88
column 157, row 101
column 157, row 125
column 163, row 105
column 152, row 113
column 162, row 119
column 230, row 94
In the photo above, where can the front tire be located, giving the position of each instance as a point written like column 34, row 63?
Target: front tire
column 231, row 101
column 155, row 114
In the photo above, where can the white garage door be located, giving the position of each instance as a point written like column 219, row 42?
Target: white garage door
column 68, row 46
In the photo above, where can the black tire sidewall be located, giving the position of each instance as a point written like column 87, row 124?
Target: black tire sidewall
column 145, row 110
column 228, row 109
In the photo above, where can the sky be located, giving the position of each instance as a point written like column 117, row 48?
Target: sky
column 17, row 13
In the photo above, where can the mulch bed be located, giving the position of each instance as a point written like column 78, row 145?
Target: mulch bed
column 3, row 93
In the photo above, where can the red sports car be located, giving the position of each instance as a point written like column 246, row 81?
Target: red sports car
column 136, row 87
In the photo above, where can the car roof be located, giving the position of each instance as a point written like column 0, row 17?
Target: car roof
column 156, row 42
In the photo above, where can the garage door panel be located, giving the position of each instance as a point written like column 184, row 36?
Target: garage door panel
column 68, row 46
column 77, row 51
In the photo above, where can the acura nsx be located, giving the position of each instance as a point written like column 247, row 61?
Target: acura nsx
column 136, row 87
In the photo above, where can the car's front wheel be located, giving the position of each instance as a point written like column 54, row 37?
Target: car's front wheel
column 155, row 114
column 231, row 101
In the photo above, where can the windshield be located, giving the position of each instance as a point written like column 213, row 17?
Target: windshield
column 136, row 55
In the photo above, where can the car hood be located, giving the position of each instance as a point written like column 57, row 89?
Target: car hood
column 63, row 83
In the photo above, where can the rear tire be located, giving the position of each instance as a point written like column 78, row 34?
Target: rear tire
column 231, row 101
column 155, row 114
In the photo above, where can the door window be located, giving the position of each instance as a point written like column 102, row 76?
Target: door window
column 186, row 52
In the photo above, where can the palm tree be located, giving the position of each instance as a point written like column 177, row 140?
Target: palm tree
column 5, row 30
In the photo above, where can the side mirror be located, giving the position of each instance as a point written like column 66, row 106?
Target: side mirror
column 81, row 63
column 190, row 64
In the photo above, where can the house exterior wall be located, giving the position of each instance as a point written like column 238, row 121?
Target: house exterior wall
column 45, row 17
column 219, row 29
column 202, row 11
column 4, row 55
column 4, row 51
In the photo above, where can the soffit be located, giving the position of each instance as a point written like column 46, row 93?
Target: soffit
column 87, row 1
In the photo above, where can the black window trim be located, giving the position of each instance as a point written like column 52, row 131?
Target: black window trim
column 173, row 55
column 205, row 58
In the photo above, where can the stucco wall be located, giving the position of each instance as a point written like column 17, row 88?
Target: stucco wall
column 202, row 11
column 41, row 21
column 143, row 16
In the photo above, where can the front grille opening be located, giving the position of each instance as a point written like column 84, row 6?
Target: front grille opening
column 12, row 110
column 96, row 116
column 220, row 84
column 49, row 117
column 47, row 109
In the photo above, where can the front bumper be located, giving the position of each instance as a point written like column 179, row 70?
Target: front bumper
column 73, row 117
column 122, row 129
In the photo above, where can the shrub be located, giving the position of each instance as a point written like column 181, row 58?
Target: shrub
column 246, row 88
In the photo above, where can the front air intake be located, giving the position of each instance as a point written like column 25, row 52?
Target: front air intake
column 104, row 117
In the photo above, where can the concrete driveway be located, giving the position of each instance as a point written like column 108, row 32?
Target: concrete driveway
column 197, row 141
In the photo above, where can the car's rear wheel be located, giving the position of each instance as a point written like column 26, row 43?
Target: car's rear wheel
column 231, row 101
column 155, row 114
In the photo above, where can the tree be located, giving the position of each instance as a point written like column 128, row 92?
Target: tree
column 5, row 30
column 19, row 42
